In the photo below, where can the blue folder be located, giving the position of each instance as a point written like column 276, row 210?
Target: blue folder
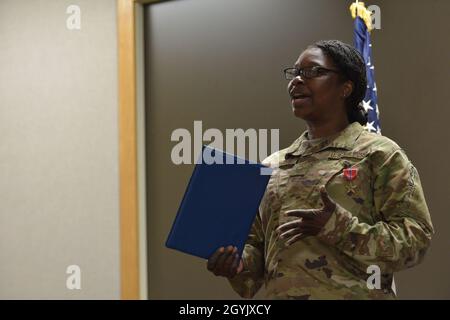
column 219, row 205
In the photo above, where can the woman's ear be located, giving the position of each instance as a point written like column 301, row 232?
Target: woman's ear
column 347, row 89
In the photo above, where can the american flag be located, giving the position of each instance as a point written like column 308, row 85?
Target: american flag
column 363, row 45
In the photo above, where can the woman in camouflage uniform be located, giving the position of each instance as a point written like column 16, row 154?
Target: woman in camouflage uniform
column 342, row 203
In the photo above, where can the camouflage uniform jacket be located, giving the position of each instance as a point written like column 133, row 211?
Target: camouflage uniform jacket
column 381, row 219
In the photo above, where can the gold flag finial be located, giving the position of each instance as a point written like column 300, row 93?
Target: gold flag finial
column 359, row 9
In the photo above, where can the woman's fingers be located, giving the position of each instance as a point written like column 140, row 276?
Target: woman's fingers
column 298, row 226
column 290, row 233
column 294, row 239
column 328, row 203
column 234, row 266
column 240, row 266
column 302, row 213
column 297, row 223
column 221, row 260
column 212, row 261
column 229, row 261
column 289, row 225
column 225, row 262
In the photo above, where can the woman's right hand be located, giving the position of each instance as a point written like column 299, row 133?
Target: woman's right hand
column 225, row 262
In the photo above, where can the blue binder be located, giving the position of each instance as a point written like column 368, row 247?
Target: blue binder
column 219, row 205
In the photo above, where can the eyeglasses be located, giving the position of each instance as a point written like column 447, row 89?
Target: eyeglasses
column 306, row 73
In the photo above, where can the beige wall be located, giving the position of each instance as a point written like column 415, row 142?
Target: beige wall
column 221, row 62
column 58, row 150
column 141, row 150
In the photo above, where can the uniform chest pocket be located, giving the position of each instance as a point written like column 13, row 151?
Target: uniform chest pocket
column 345, row 175
column 352, row 187
column 314, row 175
column 354, row 178
column 301, row 183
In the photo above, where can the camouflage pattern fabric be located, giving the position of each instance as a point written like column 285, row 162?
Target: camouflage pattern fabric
column 381, row 219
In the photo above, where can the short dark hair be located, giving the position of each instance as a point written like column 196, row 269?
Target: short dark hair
column 352, row 67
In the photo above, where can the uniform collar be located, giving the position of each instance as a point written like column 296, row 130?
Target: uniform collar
column 343, row 140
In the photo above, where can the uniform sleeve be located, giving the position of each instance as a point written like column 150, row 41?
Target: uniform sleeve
column 403, row 234
column 250, row 280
